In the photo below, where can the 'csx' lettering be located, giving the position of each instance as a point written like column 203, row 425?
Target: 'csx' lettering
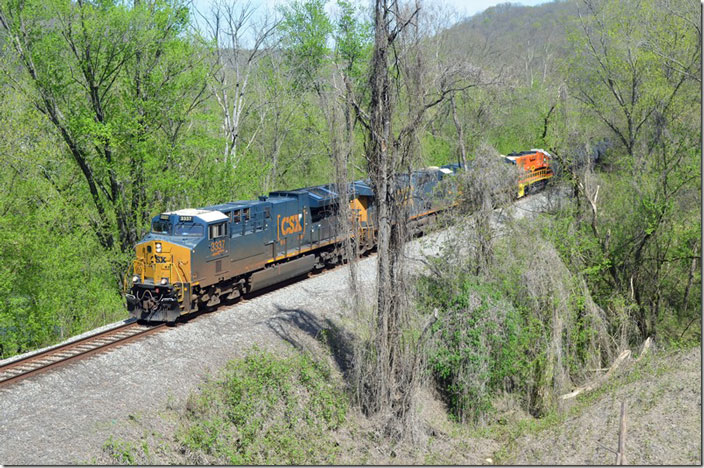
column 290, row 225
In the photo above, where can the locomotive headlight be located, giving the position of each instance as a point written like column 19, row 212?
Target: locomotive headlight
column 135, row 279
column 158, row 247
column 164, row 280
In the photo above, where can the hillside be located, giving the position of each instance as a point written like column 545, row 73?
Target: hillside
column 528, row 41
column 662, row 392
column 427, row 315
column 663, row 419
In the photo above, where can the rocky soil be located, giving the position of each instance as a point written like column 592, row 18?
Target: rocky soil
column 663, row 419
column 66, row 416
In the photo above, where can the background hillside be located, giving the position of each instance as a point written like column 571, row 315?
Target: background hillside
column 528, row 41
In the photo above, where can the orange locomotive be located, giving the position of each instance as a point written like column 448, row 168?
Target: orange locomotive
column 536, row 164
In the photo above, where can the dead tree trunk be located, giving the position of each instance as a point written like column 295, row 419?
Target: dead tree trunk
column 380, row 168
column 460, row 134
column 390, row 373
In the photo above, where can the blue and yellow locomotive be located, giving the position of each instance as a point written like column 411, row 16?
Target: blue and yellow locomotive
column 197, row 257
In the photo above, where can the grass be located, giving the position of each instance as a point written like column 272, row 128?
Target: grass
column 122, row 452
column 266, row 410
column 263, row 409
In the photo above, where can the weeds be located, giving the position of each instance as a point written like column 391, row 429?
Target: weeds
column 518, row 321
column 121, row 452
column 265, row 410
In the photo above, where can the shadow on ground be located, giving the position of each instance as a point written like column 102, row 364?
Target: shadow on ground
column 289, row 323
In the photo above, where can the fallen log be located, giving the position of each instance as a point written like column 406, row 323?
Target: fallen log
column 625, row 355
column 591, row 386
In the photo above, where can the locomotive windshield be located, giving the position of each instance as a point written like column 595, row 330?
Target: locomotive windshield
column 188, row 230
column 161, row 227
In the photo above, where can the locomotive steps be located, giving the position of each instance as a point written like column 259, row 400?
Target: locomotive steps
column 79, row 400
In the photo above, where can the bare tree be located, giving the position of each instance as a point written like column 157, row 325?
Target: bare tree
column 616, row 69
column 239, row 42
column 403, row 87
column 460, row 133
column 277, row 109
column 637, row 74
column 340, row 120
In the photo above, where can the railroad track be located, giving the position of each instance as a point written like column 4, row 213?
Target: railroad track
column 61, row 355
column 58, row 356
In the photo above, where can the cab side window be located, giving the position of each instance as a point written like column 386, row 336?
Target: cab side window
column 250, row 221
column 217, row 230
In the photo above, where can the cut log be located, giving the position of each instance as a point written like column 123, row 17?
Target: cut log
column 646, row 346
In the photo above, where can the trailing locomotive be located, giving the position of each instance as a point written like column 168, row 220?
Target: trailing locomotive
column 197, row 257
column 536, row 166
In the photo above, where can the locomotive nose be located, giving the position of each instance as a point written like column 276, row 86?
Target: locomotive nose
column 161, row 282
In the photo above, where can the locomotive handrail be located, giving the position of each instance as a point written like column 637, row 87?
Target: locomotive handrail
column 323, row 244
column 536, row 176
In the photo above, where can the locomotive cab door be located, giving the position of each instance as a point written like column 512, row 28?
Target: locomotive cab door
column 219, row 248
column 268, row 233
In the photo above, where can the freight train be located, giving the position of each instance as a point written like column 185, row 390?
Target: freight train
column 195, row 258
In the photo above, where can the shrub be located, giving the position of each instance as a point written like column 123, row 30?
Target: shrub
column 265, row 410
column 474, row 345
column 520, row 323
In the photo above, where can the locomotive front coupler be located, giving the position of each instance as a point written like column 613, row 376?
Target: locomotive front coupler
column 150, row 302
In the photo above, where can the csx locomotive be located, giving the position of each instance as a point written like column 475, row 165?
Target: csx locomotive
column 197, row 257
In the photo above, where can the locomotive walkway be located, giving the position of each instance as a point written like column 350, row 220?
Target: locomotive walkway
column 66, row 416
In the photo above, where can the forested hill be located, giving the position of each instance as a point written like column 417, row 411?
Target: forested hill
column 529, row 41
column 112, row 112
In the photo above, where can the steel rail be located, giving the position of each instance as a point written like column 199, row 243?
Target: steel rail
column 61, row 355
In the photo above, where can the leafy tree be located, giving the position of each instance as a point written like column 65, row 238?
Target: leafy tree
column 306, row 29
column 643, row 91
column 118, row 85
column 55, row 278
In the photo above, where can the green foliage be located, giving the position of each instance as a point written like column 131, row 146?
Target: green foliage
column 436, row 151
column 55, row 279
column 475, row 348
column 266, row 410
column 123, row 453
column 117, row 85
column 521, row 119
column 353, row 41
column 522, row 323
column 305, row 29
